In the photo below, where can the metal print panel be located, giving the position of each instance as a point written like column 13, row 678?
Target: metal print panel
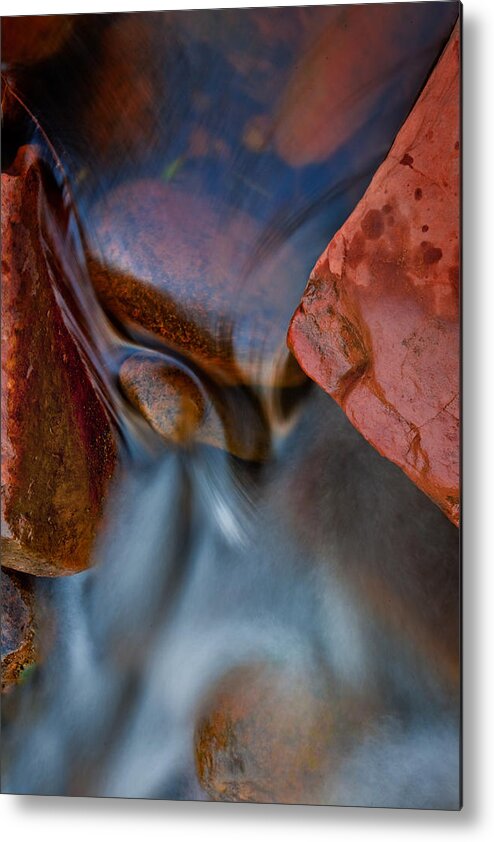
column 230, row 405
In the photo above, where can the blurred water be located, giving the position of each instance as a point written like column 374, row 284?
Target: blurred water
column 323, row 557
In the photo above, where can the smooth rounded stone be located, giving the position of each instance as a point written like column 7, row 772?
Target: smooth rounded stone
column 18, row 629
column 32, row 38
column 58, row 449
column 165, row 395
column 378, row 325
column 272, row 734
column 183, row 413
column 198, row 276
column 350, row 69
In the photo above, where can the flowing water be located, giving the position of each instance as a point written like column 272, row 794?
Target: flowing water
column 286, row 541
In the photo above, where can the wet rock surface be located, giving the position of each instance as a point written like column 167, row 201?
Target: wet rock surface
column 18, row 628
column 378, row 325
column 186, row 270
column 180, row 410
column 58, row 450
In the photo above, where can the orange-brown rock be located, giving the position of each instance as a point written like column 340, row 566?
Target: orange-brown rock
column 32, row 38
column 272, row 734
column 182, row 412
column 377, row 327
column 18, row 627
column 58, row 450
column 345, row 72
column 194, row 274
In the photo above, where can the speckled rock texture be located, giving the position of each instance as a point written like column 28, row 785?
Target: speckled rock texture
column 182, row 412
column 378, row 325
column 58, row 450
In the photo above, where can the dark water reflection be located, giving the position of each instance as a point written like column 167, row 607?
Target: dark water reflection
column 278, row 536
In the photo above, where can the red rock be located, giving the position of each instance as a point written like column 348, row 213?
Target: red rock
column 377, row 327
column 18, row 627
column 192, row 273
column 270, row 734
column 58, row 451
column 32, row 38
column 344, row 73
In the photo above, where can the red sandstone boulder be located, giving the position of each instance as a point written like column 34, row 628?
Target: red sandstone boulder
column 378, row 327
column 58, row 450
column 193, row 273
column 18, row 627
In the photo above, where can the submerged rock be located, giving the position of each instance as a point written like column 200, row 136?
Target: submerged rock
column 256, row 43
column 366, row 58
column 378, row 325
column 271, row 734
column 18, row 627
column 194, row 274
column 58, row 450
